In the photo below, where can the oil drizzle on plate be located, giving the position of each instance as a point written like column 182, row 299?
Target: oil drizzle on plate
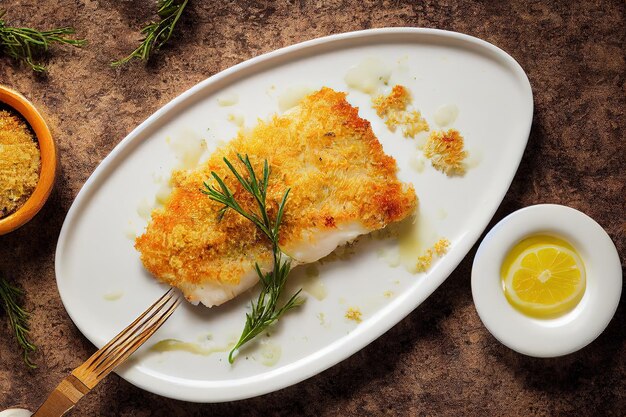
column 368, row 76
column 229, row 99
column 270, row 353
column 312, row 284
column 446, row 114
column 188, row 147
column 292, row 96
column 113, row 296
column 236, row 118
column 172, row 345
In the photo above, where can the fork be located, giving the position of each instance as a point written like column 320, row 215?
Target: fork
column 84, row 378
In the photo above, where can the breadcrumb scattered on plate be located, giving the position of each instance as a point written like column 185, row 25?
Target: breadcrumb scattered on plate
column 441, row 246
column 439, row 249
column 397, row 100
column 424, row 261
column 354, row 314
column 445, row 151
column 394, row 109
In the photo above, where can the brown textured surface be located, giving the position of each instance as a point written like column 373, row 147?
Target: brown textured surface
column 440, row 360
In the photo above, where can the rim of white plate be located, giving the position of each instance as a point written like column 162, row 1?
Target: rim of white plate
column 219, row 391
column 545, row 338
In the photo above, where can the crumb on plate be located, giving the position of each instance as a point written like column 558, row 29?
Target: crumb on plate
column 394, row 109
column 354, row 314
column 424, row 261
column 439, row 249
column 397, row 100
column 441, row 246
column 445, row 151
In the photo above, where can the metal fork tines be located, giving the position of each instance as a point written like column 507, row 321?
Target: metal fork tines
column 100, row 364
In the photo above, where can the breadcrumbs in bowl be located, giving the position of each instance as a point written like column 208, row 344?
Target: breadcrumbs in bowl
column 29, row 164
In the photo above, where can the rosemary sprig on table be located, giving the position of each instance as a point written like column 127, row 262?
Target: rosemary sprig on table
column 266, row 310
column 25, row 43
column 18, row 318
column 156, row 34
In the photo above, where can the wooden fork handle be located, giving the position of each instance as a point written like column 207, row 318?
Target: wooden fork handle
column 63, row 398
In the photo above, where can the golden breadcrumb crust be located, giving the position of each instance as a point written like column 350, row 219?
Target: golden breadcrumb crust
column 445, row 151
column 322, row 150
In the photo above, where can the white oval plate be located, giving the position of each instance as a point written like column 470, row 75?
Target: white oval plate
column 95, row 258
column 546, row 338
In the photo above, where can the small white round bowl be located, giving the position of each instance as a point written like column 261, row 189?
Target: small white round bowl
column 574, row 330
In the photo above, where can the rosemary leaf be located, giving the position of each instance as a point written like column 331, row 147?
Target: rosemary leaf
column 156, row 34
column 25, row 44
column 18, row 318
column 265, row 311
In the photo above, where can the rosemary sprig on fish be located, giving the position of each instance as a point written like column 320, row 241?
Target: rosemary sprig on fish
column 266, row 310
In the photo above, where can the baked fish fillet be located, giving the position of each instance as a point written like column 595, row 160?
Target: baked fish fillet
column 342, row 185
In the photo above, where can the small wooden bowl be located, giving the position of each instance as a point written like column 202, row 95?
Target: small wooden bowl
column 48, row 152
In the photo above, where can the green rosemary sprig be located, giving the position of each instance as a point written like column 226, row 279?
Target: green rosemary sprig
column 25, row 44
column 18, row 318
column 156, row 34
column 266, row 310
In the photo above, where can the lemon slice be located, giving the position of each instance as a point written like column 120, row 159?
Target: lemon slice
column 543, row 277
